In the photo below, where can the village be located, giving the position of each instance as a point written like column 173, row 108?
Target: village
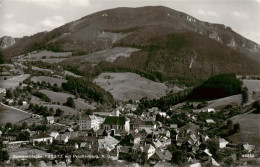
column 192, row 136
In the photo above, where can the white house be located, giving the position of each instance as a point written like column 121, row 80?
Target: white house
column 210, row 121
column 90, row 122
column 149, row 149
column 248, row 147
column 50, row 120
column 24, row 103
column 54, row 134
column 211, row 110
column 42, row 138
column 222, row 143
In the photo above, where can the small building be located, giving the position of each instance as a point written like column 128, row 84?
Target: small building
column 24, row 103
column 210, row 121
column 54, row 134
column 248, row 147
column 222, row 143
column 50, row 120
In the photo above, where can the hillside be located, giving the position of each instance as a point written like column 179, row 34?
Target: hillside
column 174, row 46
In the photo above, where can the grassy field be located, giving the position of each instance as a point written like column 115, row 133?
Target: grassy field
column 12, row 81
column 57, row 96
column 125, row 86
column 50, row 80
column 67, row 110
column 223, row 102
column 111, row 54
column 11, row 115
column 249, row 129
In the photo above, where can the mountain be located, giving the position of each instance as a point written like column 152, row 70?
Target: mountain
column 6, row 42
column 174, row 45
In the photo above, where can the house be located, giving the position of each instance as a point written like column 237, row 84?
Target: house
column 62, row 138
column 161, row 155
column 248, row 147
column 222, row 143
column 157, row 143
column 50, row 120
column 108, row 143
column 3, row 90
column 136, row 138
column 117, row 124
column 165, row 141
column 210, row 121
column 41, row 138
column 90, row 122
column 140, row 124
column 24, row 103
column 15, row 144
column 149, row 149
column 9, row 137
column 54, row 134
column 90, row 143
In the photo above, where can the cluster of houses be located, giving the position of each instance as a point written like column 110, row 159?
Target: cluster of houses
column 113, row 133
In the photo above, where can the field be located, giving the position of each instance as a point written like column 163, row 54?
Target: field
column 67, row 110
column 50, row 80
column 253, row 89
column 249, row 129
column 223, row 102
column 110, row 54
column 57, row 96
column 12, row 81
column 82, row 105
column 45, row 56
column 11, row 115
column 125, row 86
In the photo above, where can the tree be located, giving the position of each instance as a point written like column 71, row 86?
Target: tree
column 70, row 102
column 9, row 93
column 244, row 95
column 1, row 58
column 59, row 112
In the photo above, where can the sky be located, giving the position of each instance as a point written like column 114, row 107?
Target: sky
column 20, row 18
